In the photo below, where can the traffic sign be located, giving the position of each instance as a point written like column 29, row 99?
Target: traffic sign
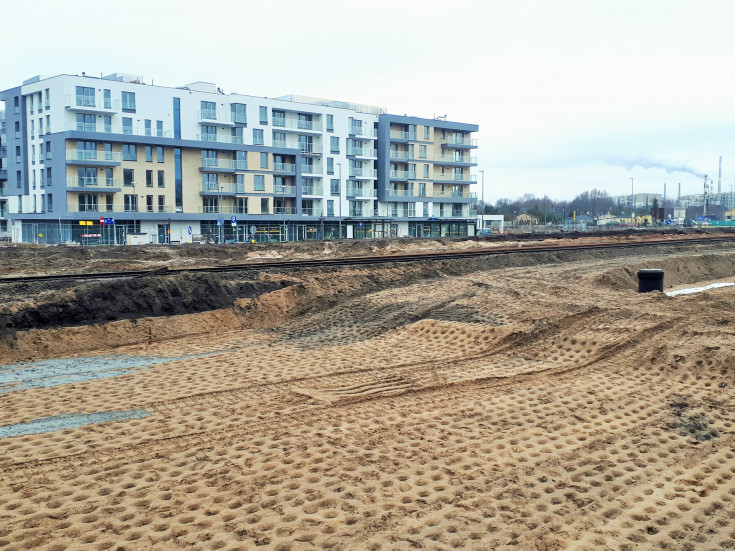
column 110, row 221
column 189, row 230
column 253, row 229
column 102, row 220
column 219, row 221
column 233, row 220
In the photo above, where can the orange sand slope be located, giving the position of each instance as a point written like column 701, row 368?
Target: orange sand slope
column 544, row 408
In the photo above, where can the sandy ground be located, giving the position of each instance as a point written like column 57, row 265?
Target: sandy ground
column 456, row 406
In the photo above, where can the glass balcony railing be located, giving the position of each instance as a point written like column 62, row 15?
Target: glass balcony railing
column 226, row 164
column 88, row 182
column 363, row 131
column 220, row 138
column 92, row 155
column 89, row 103
column 214, row 188
column 400, row 155
column 363, row 172
column 284, row 167
column 311, row 190
column 452, row 177
column 459, row 194
column 403, row 174
column 361, row 192
column 400, row 135
column 284, row 190
column 461, row 140
column 311, row 169
column 361, row 152
column 284, row 210
column 109, row 129
column 465, row 159
column 294, row 124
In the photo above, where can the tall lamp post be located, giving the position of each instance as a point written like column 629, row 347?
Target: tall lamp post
column 482, row 194
column 339, row 198
column 219, row 211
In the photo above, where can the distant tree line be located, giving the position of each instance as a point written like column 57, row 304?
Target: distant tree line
column 593, row 202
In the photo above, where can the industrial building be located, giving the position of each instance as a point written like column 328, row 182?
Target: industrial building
column 113, row 160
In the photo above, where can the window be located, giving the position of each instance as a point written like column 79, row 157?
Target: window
column 264, row 205
column 258, row 136
column 130, row 203
column 159, row 129
column 148, row 127
column 107, row 99
column 334, row 186
column 259, row 182
column 85, row 97
column 279, row 118
column 422, row 189
column 149, row 203
column 33, row 154
column 241, row 204
column 30, row 107
column 159, row 154
column 130, row 152
column 161, row 182
column 148, row 178
column 109, row 180
column 236, row 134
column 209, row 110
column 238, row 112
column 264, row 160
column 263, row 114
column 161, row 203
column 330, row 207
column 108, row 202
column 127, row 125
column 128, row 176
column 128, row 102
column 334, row 144
column 48, row 124
column 20, row 204
column 33, row 129
column 87, row 202
column 427, row 132
column 426, row 171
column 48, row 98
column 107, row 125
column 422, row 152
column 210, row 182
column 49, row 202
column 17, row 153
column 241, row 160
column 148, row 154
column 86, row 123
column 40, row 127
column 48, row 177
column 330, row 123
column 330, row 165
column 209, row 133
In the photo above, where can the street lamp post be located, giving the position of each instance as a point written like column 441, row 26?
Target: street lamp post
column 482, row 194
column 339, row 198
column 219, row 211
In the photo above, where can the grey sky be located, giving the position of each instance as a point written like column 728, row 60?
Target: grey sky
column 569, row 95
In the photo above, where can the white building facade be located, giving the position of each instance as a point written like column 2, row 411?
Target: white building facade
column 113, row 160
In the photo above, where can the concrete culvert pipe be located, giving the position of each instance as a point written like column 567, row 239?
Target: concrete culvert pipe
column 650, row 280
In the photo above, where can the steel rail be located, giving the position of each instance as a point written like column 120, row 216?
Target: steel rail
column 518, row 248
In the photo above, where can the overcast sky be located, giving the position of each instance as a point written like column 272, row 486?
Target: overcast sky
column 569, row 95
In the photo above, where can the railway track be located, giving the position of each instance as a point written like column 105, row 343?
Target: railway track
column 368, row 260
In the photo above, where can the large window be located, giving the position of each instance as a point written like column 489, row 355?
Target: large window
column 148, row 178
column 334, row 186
column 258, row 136
column 334, row 144
column 330, row 123
column 130, row 152
column 148, row 154
column 161, row 182
column 330, row 165
column 128, row 102
column 264, row 205
column 85, row 97
column 159, row 154
column 279, row 118
column 161, row 203
column 127, row 125
column 130, row 203
column 259, row 182
column 238, row 112
column 236, row 133
column 264, row 160
column 209, row 133
column 86, row 123
column 128, row 176
column 87, row 202
column 263, row 111
column 209, row 110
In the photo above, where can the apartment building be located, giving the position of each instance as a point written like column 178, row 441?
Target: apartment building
column 115, row 160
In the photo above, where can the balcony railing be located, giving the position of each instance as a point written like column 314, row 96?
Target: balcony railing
column 207, row 116
column 399, row 135
column 363, row 172
column 361, row 192
column 292, row 124
column 458, row 140
column 311, row 190
column 90, row 103
column 399, row 155
column 91, row 155
column 216, row 188
column 311, row 169
column 451, row 213
column 284, row 167
column 109, row 129
column 224, row 209
column 456, row 194
column 312, row 148
column 451, row 177
column 284, row 210
column 363, row 131
column 401, row 192
column 284, row 190
column 220, row 138
column 88, row 182
column 226, row 164
column 403, row 174
column 354, row 212
column 117, row 207
column 360, row 152
column 465, row 159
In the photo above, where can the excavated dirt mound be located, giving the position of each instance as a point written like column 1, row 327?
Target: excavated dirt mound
column 532, row 402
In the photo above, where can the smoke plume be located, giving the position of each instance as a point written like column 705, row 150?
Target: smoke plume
column 669, row 168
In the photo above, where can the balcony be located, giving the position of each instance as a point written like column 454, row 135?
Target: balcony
column 294, row 125
column 360, row 152
column 284, row 167
column 451, row 177
column 109, row 129
column 92, row 157
column 402, row 175
column 402, row 136
column 399, row 155
column 91, row 182
column 401, row 192
column 311, row 169
column 116, row 208
column 212, row 116
column 91, row 104
column 227, row 188
column 284, row 210
column 284, row 190
column 311, row 190
column 363, row 172
column 219, row 138
column 456, row 194
column 455, row 160
column 356, row 212
column 222, row 165
column 357, row 192
column 460, row 142
column 363, row 132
